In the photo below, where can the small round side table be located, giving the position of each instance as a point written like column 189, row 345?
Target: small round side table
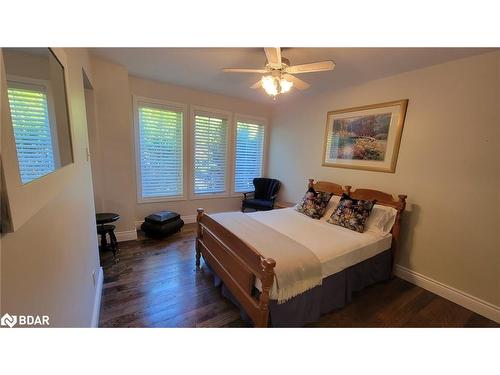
column 104, row 229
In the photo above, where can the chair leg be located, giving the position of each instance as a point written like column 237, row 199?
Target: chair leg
column 115, row 241
column 114, row 246
column 104, row 241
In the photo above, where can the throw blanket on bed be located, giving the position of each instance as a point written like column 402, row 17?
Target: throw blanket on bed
column 297, row 268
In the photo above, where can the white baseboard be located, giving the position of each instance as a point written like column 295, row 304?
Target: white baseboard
column 97, row 299
column 127, row 235
column 459, row 297
column 189, row 219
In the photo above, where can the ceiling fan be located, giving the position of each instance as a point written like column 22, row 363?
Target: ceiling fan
column 277, row 74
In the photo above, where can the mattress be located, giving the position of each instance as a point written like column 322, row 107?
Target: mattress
column 337, row 248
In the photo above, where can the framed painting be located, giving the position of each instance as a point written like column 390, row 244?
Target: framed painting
column 365, row 137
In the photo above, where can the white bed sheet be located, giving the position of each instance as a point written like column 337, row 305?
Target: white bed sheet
column 336, row 247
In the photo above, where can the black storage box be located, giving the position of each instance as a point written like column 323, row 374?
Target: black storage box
column 162, row 224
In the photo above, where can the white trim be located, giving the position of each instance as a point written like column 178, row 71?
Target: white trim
column 160, row 199
column 127, row 235
column 97, row 299
column 213, row 112
column 210, row 196
column 459, row 297
column 189, row 219
column 172, row 106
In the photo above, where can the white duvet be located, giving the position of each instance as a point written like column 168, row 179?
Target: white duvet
column 336, row 247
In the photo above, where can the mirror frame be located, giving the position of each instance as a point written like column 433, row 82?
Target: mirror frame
column 24, row 201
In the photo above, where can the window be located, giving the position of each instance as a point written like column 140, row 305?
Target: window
column 32, row 130
column 210, row 153
column 160, row 157
column 249, row 155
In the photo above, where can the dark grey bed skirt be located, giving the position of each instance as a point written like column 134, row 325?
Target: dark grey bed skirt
column 335, row 292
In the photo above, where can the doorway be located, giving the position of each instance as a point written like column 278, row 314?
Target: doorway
column 93, row 149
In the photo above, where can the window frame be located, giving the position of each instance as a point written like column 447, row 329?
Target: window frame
column 238, row 117
column 213, row 112
column 166, row 105
column 35, row 84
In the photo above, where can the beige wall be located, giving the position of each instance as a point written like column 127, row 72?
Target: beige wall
column 113, row 90
column 47, row 264
column 26, row 65
column 448, row 165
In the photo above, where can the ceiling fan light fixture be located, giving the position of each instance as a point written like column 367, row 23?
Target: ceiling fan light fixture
column 275, row 85
column 285, row 85
column 280, row 74
column 270, row 85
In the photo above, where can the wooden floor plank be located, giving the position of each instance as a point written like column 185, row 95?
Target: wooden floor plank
column 156, row 284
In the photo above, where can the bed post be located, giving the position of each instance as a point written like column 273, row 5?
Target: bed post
column 311, row 183
column 347, row 189
column 396, row 228
column 199, row 234
column 267, row 280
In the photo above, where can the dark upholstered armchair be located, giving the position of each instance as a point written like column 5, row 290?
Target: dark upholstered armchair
column 262, row 199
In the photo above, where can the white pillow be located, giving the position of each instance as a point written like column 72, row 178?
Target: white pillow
column 330, row 208
column 381, row 220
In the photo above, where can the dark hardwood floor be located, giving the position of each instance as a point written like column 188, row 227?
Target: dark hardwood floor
column 156, row 284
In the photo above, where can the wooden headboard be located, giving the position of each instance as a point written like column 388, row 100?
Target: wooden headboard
column 329, row 187
column 384, row 199
column 381, row 197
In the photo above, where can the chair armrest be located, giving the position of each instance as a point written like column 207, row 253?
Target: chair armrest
column 273, row 198
column 249, row 193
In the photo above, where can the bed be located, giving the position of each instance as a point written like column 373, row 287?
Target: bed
column 311, row 267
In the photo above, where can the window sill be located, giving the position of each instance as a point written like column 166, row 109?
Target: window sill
column 160, row 199
column 211, row 196
column 239, row 195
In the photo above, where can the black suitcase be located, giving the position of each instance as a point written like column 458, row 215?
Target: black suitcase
column 162, row 224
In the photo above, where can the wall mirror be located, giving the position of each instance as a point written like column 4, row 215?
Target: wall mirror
column 39, row 111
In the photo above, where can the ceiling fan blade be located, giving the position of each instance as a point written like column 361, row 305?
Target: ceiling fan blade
column 320, row 66
column 244, row 70
column 257, row 84
column 298, row 83
column 273, row 55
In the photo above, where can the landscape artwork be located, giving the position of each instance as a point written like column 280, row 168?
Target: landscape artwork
column 365, row 137
column 360, row 138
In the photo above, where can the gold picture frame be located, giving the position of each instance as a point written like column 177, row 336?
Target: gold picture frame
column 366, row 137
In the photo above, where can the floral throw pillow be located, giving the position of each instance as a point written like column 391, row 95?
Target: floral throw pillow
column 314, row 203
column 351, row 213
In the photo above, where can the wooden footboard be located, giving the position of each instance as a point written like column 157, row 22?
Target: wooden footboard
column 237, row 265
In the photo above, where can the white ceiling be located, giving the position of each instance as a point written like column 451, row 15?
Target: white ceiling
column 200, row 68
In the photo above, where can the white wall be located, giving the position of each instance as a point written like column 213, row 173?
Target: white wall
column 113, row 90
column 449, row 165
column 47, row 264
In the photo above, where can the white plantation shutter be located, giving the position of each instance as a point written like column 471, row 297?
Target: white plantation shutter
column 210, row 154
column 249, row 154
column 30, row 120
column 161, row 151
